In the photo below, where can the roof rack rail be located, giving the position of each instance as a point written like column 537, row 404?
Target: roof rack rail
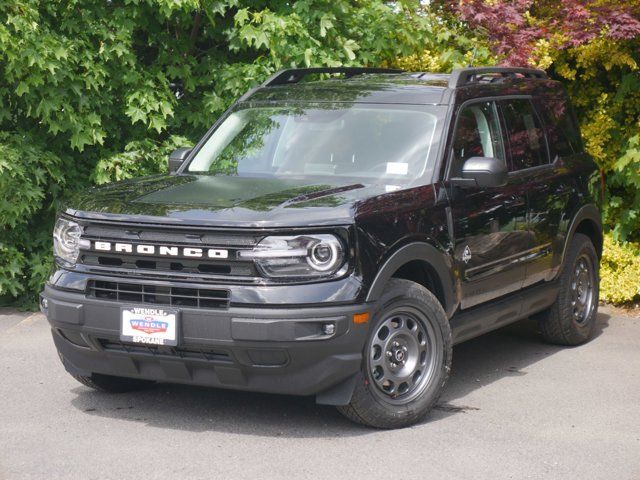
column 295, row 75
column 463, row 76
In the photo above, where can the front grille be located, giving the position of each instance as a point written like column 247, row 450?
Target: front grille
column 192, row 352
column 205, row 269
column 158, row 294
column 157, row 265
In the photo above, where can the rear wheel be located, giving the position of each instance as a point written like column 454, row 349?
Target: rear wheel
column 407, row 359
column 111, row 384
column 572, row 318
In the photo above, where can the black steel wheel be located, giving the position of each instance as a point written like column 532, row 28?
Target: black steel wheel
column 403, row 353
column 583, row 283
column 571, row 319
column 406, row 360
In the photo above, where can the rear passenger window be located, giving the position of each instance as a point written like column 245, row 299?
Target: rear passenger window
column 524, row 134
column 477, row 135
column 562, row 128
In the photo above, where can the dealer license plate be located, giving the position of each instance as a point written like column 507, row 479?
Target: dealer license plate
column 155, row 326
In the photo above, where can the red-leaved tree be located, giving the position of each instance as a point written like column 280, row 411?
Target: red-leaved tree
column 514, row 27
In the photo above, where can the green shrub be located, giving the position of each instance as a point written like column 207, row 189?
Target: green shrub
column 620, row 272
column 623, row 189
column 31, row 182
column 12, row 265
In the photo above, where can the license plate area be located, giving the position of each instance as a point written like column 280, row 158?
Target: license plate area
column 150, row 326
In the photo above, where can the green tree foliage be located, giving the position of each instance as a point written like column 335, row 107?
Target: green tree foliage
column 30, row 178
column 93, row 91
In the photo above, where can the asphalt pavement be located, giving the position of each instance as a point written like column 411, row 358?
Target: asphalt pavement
column 515, row 408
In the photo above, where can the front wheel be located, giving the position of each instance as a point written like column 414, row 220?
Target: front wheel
column 407, row 359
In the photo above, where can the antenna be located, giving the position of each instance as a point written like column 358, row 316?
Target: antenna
column 473, row 56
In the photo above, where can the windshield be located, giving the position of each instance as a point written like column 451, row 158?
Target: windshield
column 391, row 144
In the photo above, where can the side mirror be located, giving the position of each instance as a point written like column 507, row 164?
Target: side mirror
column 482, row 172
column 177, row 158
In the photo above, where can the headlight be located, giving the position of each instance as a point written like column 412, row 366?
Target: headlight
column 297, row 256
column 66, row 240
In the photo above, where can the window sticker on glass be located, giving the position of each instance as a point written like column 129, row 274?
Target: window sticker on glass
column 397, row 168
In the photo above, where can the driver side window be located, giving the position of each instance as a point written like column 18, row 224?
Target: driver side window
column 477, row 135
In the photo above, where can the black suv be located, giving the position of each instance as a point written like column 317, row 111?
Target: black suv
column 336, row 238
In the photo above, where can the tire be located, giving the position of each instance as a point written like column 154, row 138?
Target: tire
column 406, row 360
column 572, row 318
column 111, row 384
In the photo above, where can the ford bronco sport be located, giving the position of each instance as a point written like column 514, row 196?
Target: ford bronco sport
column 336, row 238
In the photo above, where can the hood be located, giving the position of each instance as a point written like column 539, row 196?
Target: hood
column 223, row 201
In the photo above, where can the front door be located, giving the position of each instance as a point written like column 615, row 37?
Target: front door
column 489, row 224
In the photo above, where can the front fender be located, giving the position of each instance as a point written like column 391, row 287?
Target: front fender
column 439, row 263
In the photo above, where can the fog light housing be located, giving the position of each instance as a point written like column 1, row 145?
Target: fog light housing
column 329, row 328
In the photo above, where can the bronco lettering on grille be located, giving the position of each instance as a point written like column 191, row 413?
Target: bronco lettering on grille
column 141, row 249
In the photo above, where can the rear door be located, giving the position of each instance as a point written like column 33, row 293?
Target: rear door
column 489, row 224
column 545, row 185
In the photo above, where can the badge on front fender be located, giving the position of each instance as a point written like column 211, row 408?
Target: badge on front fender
column 466, row 255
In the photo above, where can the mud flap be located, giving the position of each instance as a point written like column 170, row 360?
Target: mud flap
column 339, row 394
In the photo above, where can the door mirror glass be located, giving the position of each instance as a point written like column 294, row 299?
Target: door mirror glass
column 177, row 158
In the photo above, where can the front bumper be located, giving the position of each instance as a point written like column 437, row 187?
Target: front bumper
column 274, row 350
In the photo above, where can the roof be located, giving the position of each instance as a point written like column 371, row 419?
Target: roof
column 401, row 88
column 364, row 85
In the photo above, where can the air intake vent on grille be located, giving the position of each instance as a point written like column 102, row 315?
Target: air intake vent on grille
column 159, row 295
